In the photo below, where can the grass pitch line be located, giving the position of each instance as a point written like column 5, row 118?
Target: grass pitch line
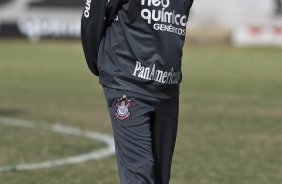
column 62, row 129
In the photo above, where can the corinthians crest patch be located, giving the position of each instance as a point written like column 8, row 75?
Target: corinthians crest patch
column 123, row 105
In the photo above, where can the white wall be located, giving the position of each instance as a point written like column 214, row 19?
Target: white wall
column 233, row 13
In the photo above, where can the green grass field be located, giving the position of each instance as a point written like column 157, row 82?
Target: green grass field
column 230, row 129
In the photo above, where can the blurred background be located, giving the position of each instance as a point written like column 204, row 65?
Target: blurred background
column 230, row 127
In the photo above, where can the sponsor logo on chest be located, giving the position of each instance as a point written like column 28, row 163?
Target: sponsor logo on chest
column 162, row 19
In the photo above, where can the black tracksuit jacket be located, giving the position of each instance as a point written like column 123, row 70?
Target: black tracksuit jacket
column 136, row 45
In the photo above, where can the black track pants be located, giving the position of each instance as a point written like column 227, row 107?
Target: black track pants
column 145, row 131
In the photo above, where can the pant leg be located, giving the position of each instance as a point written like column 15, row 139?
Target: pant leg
column 164, row 132
column 132, row 134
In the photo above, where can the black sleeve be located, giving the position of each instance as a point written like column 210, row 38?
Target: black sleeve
column 112, row 7
column 97, row 14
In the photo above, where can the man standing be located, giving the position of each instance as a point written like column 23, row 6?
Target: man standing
column 135, row 47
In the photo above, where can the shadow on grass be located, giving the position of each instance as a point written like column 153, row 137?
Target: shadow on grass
column 12, row 112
